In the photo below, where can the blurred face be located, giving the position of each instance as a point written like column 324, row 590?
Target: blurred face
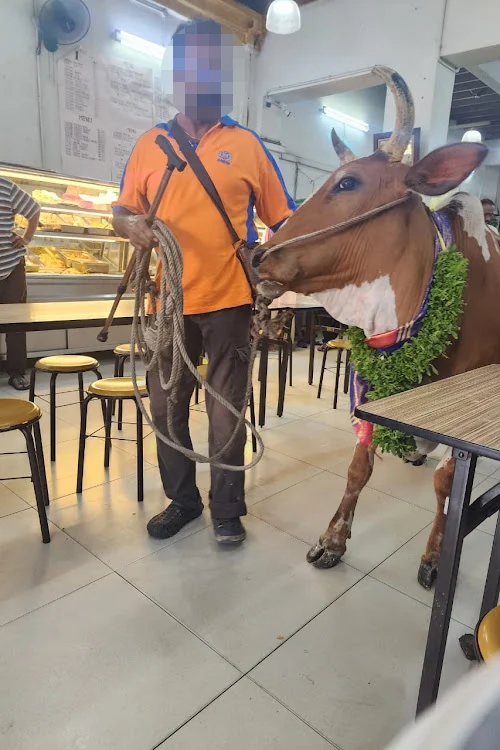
column 203, row 75
column 488, row 211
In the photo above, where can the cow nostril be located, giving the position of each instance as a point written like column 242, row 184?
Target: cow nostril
column 257, row 256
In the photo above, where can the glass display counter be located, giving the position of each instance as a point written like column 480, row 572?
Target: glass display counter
column 75, row 253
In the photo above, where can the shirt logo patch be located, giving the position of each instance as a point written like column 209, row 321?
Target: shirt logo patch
column 224, row 157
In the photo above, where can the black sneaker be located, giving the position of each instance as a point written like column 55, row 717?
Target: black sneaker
column 170, row 521
column 229, row 530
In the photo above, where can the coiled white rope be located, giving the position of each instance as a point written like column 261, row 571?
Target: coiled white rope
column 162, row 333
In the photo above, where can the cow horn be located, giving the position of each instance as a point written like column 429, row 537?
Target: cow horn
column 343, row 152
column 405, row 113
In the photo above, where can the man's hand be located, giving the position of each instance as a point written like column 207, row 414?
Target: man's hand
column 18, row 242
column 140, row 234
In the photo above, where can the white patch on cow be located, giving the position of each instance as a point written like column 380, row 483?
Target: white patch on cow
column 370, row 306
column 446, row 458
column 472, row 215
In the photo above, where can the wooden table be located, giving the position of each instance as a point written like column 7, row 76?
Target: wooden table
column 56, row 316
column 462, row 412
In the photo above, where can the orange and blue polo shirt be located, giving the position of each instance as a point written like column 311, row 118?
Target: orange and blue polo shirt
column 245, row 175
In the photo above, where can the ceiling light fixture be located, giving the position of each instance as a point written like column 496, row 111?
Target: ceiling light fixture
column 353, row 122
column 472, row 136
column 138, row 44
column 283, row 17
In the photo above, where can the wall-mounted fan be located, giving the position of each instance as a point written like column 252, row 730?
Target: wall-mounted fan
column 62, row 22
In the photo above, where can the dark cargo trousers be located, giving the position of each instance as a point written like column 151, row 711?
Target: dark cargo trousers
column 224, row 337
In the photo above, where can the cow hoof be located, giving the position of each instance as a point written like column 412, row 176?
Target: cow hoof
column 321, row 557
column 427, row 575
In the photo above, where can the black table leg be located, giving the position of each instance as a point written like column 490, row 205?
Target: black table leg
column 264, row 359
column 312, row 343
column 282, row 378
column 446, row 578
column 492, row 585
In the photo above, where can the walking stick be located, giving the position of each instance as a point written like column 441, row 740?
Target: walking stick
column 174, row 162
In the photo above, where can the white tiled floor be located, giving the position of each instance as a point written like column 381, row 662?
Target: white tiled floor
column 112, row 640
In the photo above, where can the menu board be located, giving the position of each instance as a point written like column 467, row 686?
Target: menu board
column 104, row 108
column 83, row 133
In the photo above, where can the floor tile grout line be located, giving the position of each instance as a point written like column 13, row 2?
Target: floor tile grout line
column 291, row 710
column 58, row 598
column 308, row 543
column 178, row 621
column 419, row 601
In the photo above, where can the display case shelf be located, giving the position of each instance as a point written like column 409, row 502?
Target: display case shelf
column 78, row 236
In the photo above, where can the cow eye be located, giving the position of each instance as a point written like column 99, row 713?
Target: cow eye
column 347, row 183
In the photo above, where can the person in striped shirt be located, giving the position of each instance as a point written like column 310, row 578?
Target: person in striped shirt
column 14, row 201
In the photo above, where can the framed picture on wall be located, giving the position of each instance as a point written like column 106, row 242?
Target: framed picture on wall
column 412, row 153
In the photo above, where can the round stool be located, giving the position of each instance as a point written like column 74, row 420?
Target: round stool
column 108, row 391
column 18, row 414
column 122, row 352
column 57, row 365
column 488, row 635
column 338, row 345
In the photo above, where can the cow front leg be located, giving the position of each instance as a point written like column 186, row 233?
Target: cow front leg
column 332, row 544
column 443, row 479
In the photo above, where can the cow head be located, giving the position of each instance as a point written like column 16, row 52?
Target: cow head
column 373, row 254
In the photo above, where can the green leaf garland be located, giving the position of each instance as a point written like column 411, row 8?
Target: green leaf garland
column 405, row 368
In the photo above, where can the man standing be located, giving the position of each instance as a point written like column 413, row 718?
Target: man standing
column 217, row 296
column 14, row 201
column 489, row 212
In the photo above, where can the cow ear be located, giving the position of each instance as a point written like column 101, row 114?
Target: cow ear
column 445, row 168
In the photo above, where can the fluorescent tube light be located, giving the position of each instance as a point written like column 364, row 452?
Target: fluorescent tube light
column 139, row 44
column 353, row 122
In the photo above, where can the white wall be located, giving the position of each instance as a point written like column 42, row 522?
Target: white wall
column 306, row 134
column 471, row 31
column 21, row 140
column 343, row 36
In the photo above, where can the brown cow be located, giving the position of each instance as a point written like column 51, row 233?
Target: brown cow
column 363, row 245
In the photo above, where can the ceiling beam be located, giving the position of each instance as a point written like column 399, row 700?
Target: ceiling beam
column 248, row 25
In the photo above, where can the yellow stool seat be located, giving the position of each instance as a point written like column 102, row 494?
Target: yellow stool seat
column 123, row 350
column 488, row 635
column 339, row 344
column 67, row 363
column 117, row 387
column 16, row 412
column 202, row 370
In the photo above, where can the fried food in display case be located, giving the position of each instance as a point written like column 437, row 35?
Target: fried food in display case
column 85, row 262
column 49, row 258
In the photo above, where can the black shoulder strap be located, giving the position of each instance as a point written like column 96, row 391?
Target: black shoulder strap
column 201, row 173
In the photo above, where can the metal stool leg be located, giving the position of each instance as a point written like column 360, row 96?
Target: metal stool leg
column 140, row 457
column 53, row 378
column 264, row 360
column 322, row 373
column 115, row 375
column 41, row 461
column 37, row 484
column 121, row 368
column 31, row 395
column 252, row 420
column 290, row 364
column 107, row 432
column 82, row 443
column 347, row 370
column 337, row 379
column 81, row 393
column 446, row 580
